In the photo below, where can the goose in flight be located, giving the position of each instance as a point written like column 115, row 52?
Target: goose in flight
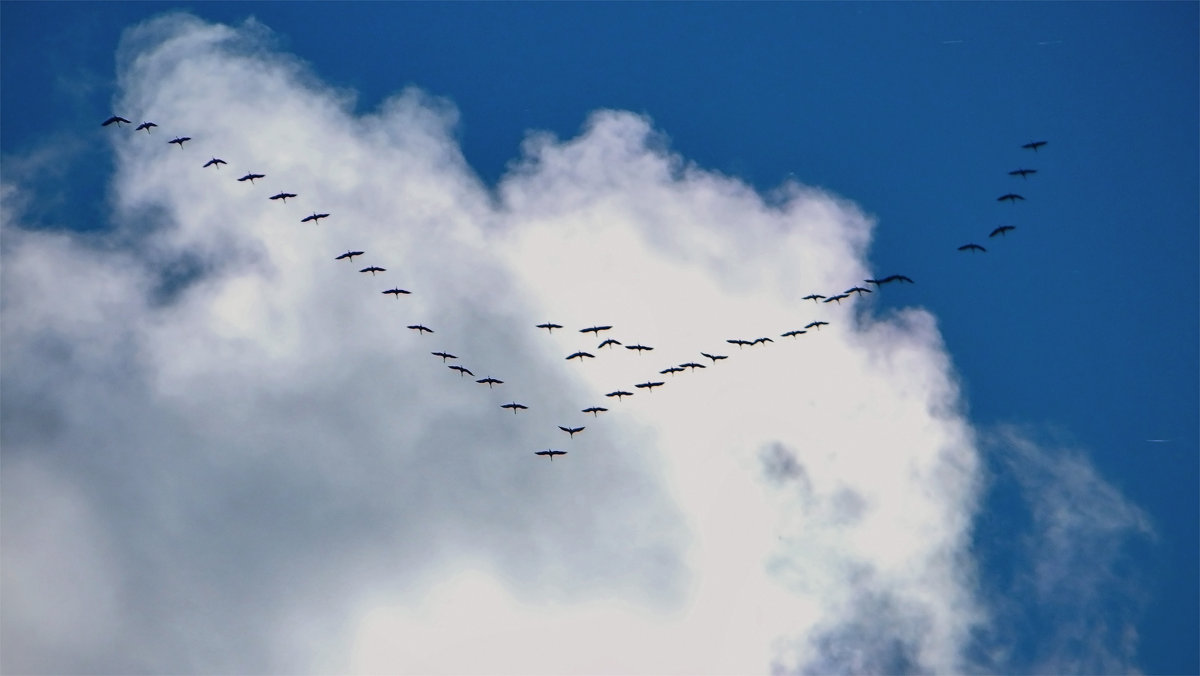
column 837, row 298
column 444, row 356
column 214, row 162
column 792, row 334
column 281, row 196
column 595, row 410
column 971, row 247
column 115, row 119
column 462, row 370
column 595, row 329
column 581, row 355
column 315, row 217
column 1002, row 230
column 738, row 341
column 349, row 254
column 649, row 386
column 490, row 381
column 814, row 297
column 1010, row 197
column 373, row 269
column 671, row 370
column 146, row 126
column 514, row 406
column 396, row 292
column 549, row 326
column 693, row 365
column 1022, row 172
column 857, row 289
column 764, row 339
column 571, row 430
column 897, row 278
column 639, row 347
column 607, row 342
column 421, row 328
column 619, row 393
column 1034, row 145
column 251, row 177
column 816, row 325
column 551, row 453
column 715, row 357
column 180, row 140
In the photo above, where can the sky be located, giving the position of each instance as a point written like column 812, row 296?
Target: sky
column 223, row 451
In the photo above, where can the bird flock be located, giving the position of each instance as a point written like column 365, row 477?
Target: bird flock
column 607, row 343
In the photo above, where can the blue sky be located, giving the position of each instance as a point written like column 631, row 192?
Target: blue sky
column 1077, row 332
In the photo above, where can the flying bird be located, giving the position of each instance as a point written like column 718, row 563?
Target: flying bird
column 649, row 386
column 764, row 339
column 444, row 356
column 252, row 177
column 814, row 297
column 672, row 370
column 490, row 381
column 1022, row 172
column 792, row 334
column 571, row 430
column 1034, row 145
column 146, row 126
column 595, row 410
column 619, row 393
column 315, row 217
column 462, row 370
column 1002, row 230
column 396, row 292
column 282, row 196
column 179, row 140
column 1010, row 197
column 816, row 325
column 897, row 278
column 737, row 341
column 214, row 162
column 349, row 254
column 549, row 327
column 693, row 365
column 857, row 289
column 115, row 119
column 837, row 298
column 715, row 357
column 971, row 247
column 514, row 406
column 373, row 269
column 607, row 342
column 595, row 329
column 639, row 347
column 550, row 453
column 421, row 328
column 580, row 355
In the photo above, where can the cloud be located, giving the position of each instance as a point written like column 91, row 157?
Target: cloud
column 225, row 452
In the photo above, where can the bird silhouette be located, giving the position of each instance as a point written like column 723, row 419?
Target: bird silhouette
column 180, row 140
column 315, row 217
column 792, row 334
column 1002, row 230
column 649, row 386
column 595, row 329
column 607, row 342
column 693, row 365
column 857, row 289
column 581, row 355
column 349, row 255
column 595, row 410
column 462, row 370
column 764, row 339
column 671, row 370
column 550, row 453
column 639, row 347
column 814, row 297
column 816, row 325
column 214, row 162
column 282, row 196
column 444, row 356
column 396, row 292
column 1034, row 145
column 715, row 357
column 1010, row 197
column 1022, row 172
column 971, row 247
column 373, row 269
column 117, row 119
column 490, row 381
column 421, row 328
column 146, row 126
column 252, row 177
column 897, row 278
column 571, row 430
column 837, row 298
column 619, row 393
column 738, row 341
column 549, row 326
column 514, row 406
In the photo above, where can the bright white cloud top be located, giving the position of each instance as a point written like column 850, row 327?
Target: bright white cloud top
column 231, row 455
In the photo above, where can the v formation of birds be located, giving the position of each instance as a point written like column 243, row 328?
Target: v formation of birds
column 596, row 330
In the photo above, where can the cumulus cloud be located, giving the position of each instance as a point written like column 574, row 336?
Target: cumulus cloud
column 225, row 452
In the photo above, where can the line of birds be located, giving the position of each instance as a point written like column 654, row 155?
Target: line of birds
column 580, row 355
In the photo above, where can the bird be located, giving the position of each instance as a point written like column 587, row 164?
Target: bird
column 715, row 357
column 581, row 355
column 816, row 325
column 639, row 347
column 764, row 339
column 549, row 326
column 857, row 289
column 514, row 406
column 282, row 196
column 443, row 355
column 396, row 292
column 897, row 278
column 1011, row 197
column 649, row 386
column 373, row 269
column 1002, row 230
column 1022, row 172
column 349, row 254
column 594, row 410
column 179, row 140
column 837, row 298
column 146, row 126
column 214, row 162
column 738, row 341
column 251, row 177
column 607, row 342
column 693, row 365
column 421, row 328
column 490, row 381
column 462, row 370
column 814, row 297
column 971, row 247
column 315, row 217
column 619, row 393
column 551, row 453
column 571, row 430
column 1034, row 145
column 595, row 329
column 792, row 334
column 671, row 370
column 115, row 119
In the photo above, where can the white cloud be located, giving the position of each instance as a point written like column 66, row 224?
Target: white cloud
column 274, row 475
